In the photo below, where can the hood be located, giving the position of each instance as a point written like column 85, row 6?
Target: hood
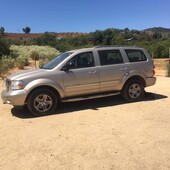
column 27, row 74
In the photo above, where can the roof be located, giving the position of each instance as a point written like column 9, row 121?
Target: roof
column 105, row 47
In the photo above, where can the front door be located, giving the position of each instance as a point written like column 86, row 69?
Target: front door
column 82, row 77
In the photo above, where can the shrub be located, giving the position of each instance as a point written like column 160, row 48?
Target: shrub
column 22, row 61
column 20, row 56
column 43, row 62
column 34, row 55
column 34, row 52
column 6, row 63
column 4, row 47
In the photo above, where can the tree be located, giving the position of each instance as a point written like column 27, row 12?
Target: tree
column 2, row 30
column 26, row 30
column 108, row 35
column 4, row 47
column 97, row 37
column 35, row 56
column 46, row 39
column 157, row 36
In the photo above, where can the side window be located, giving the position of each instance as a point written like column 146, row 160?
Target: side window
column 110, row 57
column 82, row 60
column 136, row 55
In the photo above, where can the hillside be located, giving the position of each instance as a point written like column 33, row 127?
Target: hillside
column 23, row 36
column 156, row 40
column 158, row 30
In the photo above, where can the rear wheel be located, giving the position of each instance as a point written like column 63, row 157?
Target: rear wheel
column 133, row 90
column 42, row 102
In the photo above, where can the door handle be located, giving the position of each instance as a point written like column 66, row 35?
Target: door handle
column 93, row 72
column 123, row 68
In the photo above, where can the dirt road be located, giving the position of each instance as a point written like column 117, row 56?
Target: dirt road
column 102, row 134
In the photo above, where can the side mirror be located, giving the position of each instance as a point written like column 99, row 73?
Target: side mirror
column 65, row 68
column 68, row 66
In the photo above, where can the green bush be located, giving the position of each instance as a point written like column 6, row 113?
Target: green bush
column 22, row 61
column 20, row 56
column 4, row 47
column 34, row 52
column 43, row 61
column 34, row 55
column 6, row 63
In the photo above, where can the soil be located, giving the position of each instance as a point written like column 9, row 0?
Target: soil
column 101, row 134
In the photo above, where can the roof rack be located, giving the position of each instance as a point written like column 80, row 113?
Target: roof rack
column 100, row 46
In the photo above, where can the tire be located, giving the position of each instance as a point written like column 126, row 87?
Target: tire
column 20, row 107
column 133, row 91
column 42, row 102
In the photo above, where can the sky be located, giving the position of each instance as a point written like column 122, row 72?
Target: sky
column 83, row 15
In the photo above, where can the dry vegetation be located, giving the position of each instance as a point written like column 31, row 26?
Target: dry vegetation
column 25, row 56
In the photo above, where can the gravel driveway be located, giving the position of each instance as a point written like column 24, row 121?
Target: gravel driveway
column 100, row 134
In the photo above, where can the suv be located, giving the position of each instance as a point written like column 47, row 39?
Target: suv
column 79, row 75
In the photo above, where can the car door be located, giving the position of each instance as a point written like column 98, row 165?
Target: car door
column 81, row 76
column 112, row 69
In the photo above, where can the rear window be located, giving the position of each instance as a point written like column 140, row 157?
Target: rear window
column 110, row 57
column 136, row 55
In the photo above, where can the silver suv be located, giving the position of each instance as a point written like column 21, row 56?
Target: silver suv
column 79, row 75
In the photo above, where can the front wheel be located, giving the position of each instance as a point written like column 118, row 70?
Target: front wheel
column 42, row 102
column 133, row 90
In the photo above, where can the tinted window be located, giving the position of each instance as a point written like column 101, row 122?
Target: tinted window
column 135, row 55
column 82, row 60
column 109, row 57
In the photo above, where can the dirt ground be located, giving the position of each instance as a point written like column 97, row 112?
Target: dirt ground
column 102, row 134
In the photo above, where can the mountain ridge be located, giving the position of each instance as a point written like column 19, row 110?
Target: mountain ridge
column 157, row 30
column 59, row 35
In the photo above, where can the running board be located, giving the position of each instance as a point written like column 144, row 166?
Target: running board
column 89, row 97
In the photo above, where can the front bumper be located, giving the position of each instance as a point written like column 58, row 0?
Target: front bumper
column 150, row 81
column 15, row 98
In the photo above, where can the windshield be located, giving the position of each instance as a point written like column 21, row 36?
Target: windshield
column 56, row 61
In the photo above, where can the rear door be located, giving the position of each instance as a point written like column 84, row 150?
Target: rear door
column 112, row 69
column 82, row 77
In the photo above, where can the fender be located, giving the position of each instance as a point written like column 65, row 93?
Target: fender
column 44, row 82
column 132, row 73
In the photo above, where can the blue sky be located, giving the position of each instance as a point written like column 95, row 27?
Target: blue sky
column 83, row 15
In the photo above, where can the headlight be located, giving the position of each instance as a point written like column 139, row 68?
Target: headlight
column 17, row 85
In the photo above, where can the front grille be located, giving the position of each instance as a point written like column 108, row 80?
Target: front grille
column 8, row 84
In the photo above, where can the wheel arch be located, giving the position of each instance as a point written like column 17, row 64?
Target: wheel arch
column 44, row 87
column 135, row 95
column 137, row 78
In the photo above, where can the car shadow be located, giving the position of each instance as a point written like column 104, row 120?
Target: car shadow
column 93, row 104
